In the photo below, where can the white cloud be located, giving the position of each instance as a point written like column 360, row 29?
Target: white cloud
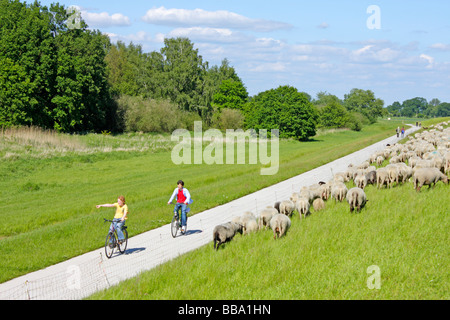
column 429, row 59
column 138, row 37
column 104, row 19
column 440, row 46
column 323, row 25
column 374, row 54
column 221, row 35
column 270, row 67
column 213, row 19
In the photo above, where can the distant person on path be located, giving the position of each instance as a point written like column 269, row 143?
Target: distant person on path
column 119, row 217
column 403, row 132
column 397, row 131
column 183, row 198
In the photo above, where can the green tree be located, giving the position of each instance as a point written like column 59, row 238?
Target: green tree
column 415, row 107
column 364, row 101
column 333, row 115
column 395, row 109
column 442, row 110
column 285, row 109
column 184, row 72
column 230, row 94
column 53, row 76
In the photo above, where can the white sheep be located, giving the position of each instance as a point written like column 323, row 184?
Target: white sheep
column 380, row 160
column 287, row 207
column 280, row 224
column 428, row 176
column 356, row 198
column 248, row 222
column 318, row 204
column 360, row 181
column 265, row 216
column 302, row 206
column 339, row 191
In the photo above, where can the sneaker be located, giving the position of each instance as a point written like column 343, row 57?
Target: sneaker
column 183, row 229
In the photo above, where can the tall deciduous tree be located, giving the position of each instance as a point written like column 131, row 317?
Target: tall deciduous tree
column 364, row 101
column 285, row 109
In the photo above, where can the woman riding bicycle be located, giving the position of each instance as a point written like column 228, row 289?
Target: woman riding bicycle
column 119, row 217
column 183, row 199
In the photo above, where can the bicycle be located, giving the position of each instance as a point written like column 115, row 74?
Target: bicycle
column 175, row 225
column 112, row 240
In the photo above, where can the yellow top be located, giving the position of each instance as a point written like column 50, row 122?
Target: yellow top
column 120, row 211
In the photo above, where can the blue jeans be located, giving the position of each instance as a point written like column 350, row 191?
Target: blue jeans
column 118, row 226
column 181, row 206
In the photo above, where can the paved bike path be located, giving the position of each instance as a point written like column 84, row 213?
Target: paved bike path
column 82, row 276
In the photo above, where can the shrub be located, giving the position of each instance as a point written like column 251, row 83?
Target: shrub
column 228, row 119
column 149, row 115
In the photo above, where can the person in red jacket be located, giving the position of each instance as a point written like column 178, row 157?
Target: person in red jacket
column 183, row 198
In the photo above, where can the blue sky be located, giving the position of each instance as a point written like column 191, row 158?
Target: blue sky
column 311, row 45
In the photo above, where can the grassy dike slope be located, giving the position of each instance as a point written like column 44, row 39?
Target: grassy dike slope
column 326, row 256
column 330, row 255
column 49, row 210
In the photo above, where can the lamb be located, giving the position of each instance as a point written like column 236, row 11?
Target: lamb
column 225, row 232
column 428, row 176
column 356, row 198
column 287, row 207
column 339, row 191
column 318, row 204
column 302, row 205
column 280, row 224
column 265, row 216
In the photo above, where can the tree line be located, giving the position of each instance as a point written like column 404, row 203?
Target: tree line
column 75, row 80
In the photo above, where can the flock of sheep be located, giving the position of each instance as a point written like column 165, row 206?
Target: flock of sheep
column 428, row 161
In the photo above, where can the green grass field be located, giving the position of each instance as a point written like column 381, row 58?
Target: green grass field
column 50, row 187
column 325, row 256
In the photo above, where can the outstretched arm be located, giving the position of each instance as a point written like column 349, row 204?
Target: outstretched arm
column 104, row 205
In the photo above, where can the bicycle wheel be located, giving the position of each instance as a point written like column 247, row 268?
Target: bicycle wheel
column 123, row 246
column 110, row 244
column 174, row 225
